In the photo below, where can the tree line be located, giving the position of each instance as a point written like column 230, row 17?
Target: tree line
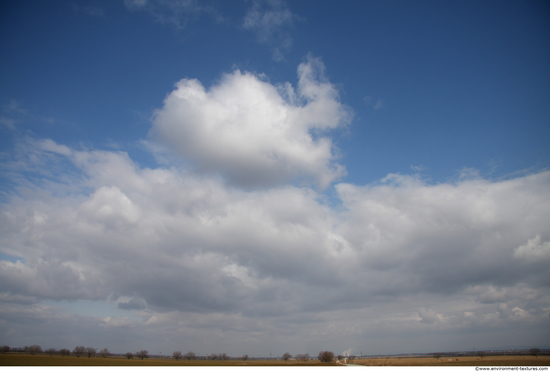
column 324, row 356
column 77, row 351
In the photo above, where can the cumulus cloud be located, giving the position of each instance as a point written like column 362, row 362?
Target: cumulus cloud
column 449, row 235
column 256, row 133
column 117, row 322
column 534, row 250
column 133, row 304
column 184, row 242
column 428, row 316
column 271, row 20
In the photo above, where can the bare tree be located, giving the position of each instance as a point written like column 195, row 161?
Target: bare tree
column 142, row 354
column 213, row 356
column 326, row 356
column 5, row 349
column 33, row 349
column 223, row 356
column 190, row 356
column 129, row 355
column 64, row 352
column 437, row 355
column 286, row 357
column 104, row 353
column 79, row 350
column 534, row 351
column 481, row 354
column 302, row 357
column 90, row 351
column 351, row 358
column 50, row 351
column 177, row 355
column 245, row 357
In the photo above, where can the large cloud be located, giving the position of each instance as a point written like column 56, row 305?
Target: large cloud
column 260, row 255
column 165, row 242
column 255, row 133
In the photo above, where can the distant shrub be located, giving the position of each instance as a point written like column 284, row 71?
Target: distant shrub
column 326, row 356
column 33, row 349
column 50, row 351
column 79, row 350
column 64, row 352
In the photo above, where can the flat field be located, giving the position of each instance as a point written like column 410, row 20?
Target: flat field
column 46, row 360
column 447, row 361
column 56, row 360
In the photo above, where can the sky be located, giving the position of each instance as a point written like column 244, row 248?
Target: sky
column 261, row 177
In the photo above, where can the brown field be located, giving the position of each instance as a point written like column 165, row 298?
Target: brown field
column 447, row 361
column 56, row 360
column 46, row 360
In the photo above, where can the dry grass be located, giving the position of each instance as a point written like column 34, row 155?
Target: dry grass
column 46, row 360
column 501, row 360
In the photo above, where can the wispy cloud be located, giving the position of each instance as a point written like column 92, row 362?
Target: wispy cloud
column 271, row 21
column 13, row 112
column 91, row 10
column 7, row 122
column 14, row 107
column 376, row 104
column 419, row 168
column 172, row 12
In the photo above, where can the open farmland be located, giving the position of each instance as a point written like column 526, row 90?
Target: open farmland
column 497, row 360
column 502, row 360
column 56, row 360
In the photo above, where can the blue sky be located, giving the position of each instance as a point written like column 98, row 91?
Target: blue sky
column 391, row 136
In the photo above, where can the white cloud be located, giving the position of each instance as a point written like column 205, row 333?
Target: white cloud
column 259, row 258
column 419, row 168
column 534, row 250
column 117, row 321
column 51, row 146
column 449, row 235
column 183, row 247
column 253, row 132
column 110, row 206
column 428, row 316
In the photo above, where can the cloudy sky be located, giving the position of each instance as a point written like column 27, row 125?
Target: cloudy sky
column 260, row 177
